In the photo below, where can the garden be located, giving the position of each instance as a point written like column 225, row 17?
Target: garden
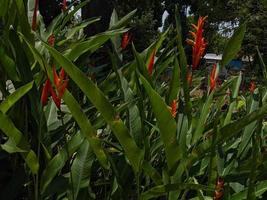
column 106, row 103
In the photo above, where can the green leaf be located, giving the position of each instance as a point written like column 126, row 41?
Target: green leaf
column 259, row 190
column 175, row 82
column 14, row 97
column 183, row 66
column 81, row 167
column 204, row 114
column 17, row 138
column 164, row 189
column 123, row 21
column 58, row 162
column 234, row 103
column 166, row 124
column 86, row 128
column 9, row 65
column 91, row 44
column 133, row 153
column 229, row 130
column 249, row 130
column 135, row 122
column 233, row 45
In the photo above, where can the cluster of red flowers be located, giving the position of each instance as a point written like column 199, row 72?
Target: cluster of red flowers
column 219, row 189
column 198, row 42
column 60, row 82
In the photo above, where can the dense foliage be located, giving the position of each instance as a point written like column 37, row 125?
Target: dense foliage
column 154, row 127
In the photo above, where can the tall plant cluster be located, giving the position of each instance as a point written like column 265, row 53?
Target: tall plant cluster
column 149, row 130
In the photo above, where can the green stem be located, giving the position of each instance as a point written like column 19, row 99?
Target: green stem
column 68, row 154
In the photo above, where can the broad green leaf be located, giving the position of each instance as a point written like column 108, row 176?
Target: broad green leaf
column 134, row 112
column 235, row 127
column 162, row 190
column 77, row 28
column 166, row 124
column 9, row 129
column 14, row 97
column 98, row 99
column 249, row 130
column 152, row 173
column 9, row 65
column 204, row 114
column 123, row 21
column 234, row 103
column 233, row 45
column 175, row 82
column 91, row 44
column 86, row 128
column 59, row 160
column 81, row 167
column 259, row 190
column 183, row 66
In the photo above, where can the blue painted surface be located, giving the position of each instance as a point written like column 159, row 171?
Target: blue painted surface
column 235, row 65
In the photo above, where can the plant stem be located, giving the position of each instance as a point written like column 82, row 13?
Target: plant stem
column 68, row 154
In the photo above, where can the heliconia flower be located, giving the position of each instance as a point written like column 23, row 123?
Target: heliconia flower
column 51, row 40
column 60, row 84
column 125, row 40
column 189, row 78
column 174, row 108
column 151, row 62
column 213, row 78
column 198, row 42
column 64, row 5
column 60, row 81
column 34, row 17
column 45, row 92
column 252, row 87
column 219, row 189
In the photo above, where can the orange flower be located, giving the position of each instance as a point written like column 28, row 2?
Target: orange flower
column 198, row 42
column 61, row 85
column 34, row 17
column 51, row 40
column 151, row 62
column 45, row 92
column 174, row 108
column 189, row 78
column 213, row 78
column 125, row 40
column 60, row 81
column 252, row 87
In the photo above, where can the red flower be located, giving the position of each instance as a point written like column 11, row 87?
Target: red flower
column 198, row 43
column 45, row 92
column 219, row 189
column 213, row 78
column 64, row 5
column 60, row 81
column 125, row 40
column 51, row 40
column 189, row 78
column 151, row 62
column 34, row 17
column 174, row 108
column 252, row 87
column 60, row 84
